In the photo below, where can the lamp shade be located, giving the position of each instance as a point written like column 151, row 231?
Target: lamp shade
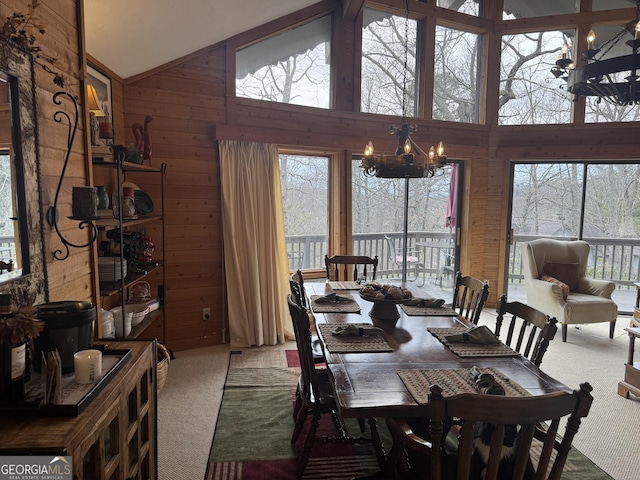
column 93, row 104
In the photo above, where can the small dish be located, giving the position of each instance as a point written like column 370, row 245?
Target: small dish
column 143, row 202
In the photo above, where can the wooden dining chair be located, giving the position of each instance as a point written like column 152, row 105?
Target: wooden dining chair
column 469, row 297
column 350, row 267
column 529, row 330
column 296, row 282
column 498, row 436
column 314, row 393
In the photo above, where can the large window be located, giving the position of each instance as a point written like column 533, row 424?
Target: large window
column 383, row 55
column 527, row 8
column 596, row 202
column 304, row 182
column 529, row 93
column 377, row 210
column 293, row 67
column 603, row 111
column 455, row 82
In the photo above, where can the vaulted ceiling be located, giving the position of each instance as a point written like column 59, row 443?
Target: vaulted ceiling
column 134, row 36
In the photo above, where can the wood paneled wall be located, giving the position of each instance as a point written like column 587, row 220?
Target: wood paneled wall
column 70, row 279
column 194, row 105
column 192, row 109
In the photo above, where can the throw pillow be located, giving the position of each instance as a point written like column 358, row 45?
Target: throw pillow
column 562, row 285
column 565, row 272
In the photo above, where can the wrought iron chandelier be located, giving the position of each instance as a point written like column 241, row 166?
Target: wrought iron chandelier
column 598, row 74
column 408, row 160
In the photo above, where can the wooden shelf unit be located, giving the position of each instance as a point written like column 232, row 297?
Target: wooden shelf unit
column 115, row 437
column 109, row 289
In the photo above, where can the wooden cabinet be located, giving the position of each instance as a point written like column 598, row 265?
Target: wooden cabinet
column 114, row 438
column 635, row 319
column 153, row 325
column 631, row 382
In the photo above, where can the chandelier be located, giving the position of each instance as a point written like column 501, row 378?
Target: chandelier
column 408, row 160
column 599, row 74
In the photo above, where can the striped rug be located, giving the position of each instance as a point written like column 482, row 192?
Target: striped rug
column 253, row 431
column 255, row 422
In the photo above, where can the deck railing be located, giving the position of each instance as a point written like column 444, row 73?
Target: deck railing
column 614, row 259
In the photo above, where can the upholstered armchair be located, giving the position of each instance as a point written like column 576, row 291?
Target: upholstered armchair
column 554, row 274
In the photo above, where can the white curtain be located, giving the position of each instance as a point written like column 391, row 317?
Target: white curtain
column 255, row 252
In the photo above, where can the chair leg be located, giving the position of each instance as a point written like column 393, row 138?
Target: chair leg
column 612, row 327
column 297, row 404
column 361, row 424
column 303, row 458
column 297, row 427
column 377, row 442
column 564, row 332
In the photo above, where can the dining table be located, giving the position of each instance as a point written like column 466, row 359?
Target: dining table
column 375, row 381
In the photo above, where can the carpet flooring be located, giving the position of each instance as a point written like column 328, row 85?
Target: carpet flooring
column 253, row 430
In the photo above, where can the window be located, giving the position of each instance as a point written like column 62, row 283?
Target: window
column 603, row 112
column 293, row 67
column 526, row 8
column 455, row 83
column 7, row 210
column 596, row 202
column 377, row 209
column 383, row 72
column 529, row 93
column 304, row 181
column 470, row 7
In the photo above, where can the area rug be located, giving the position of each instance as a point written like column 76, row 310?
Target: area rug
column 255, row 422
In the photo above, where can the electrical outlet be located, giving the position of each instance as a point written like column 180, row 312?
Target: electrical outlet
column 206, row 314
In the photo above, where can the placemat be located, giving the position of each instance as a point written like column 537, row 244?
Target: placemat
column 345, row 285
column 453, row 381
column 471, row 349
column 334, row 307
column 428, row 311
column 364, row 344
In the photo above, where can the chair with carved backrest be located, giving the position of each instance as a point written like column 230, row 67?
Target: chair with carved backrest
column 296, row 282
column 350, row 267
column 506, row 428
column 469, row 297
column 314, row 393
column 529, row 330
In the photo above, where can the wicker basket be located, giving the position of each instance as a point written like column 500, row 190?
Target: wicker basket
column 163, row 365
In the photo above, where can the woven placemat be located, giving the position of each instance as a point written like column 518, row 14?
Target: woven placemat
column 453, row 381
column 364, row 344
column 428, row 311
column 471, row 349
column 344, row 285
column 334, row 307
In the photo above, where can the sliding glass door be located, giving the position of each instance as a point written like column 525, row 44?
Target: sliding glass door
column 594, row 201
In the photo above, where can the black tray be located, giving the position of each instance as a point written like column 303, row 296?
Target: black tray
column 76, row 397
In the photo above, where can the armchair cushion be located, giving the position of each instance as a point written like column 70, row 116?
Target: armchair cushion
column 568, row 273
column 562, row 285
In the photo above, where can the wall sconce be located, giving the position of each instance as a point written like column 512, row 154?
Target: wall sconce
column 52, row 215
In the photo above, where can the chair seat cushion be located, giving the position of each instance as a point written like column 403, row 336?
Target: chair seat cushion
column 581, row 308
column 565, row 272
column 562, row 285
column 410, row 259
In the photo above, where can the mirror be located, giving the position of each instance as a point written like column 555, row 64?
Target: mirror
column 22, row 257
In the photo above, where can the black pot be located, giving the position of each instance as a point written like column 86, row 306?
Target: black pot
column 68, row 327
